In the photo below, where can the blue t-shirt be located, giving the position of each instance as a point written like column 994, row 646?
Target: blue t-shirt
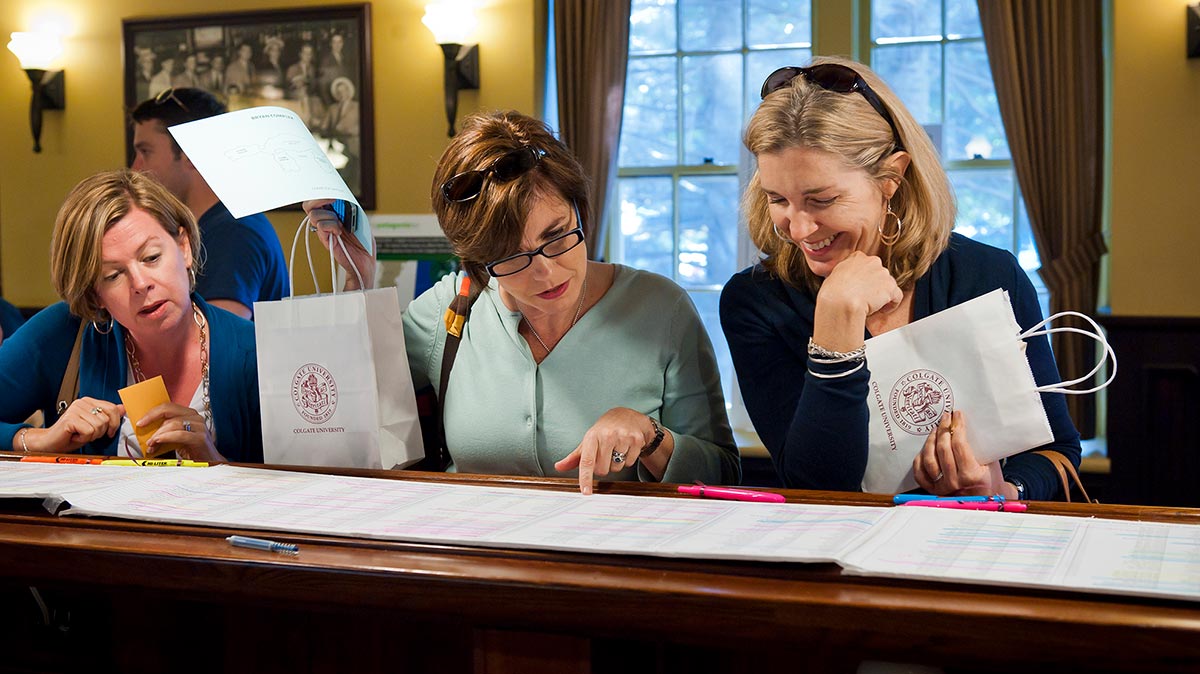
column 243, row 260
column 10, row 319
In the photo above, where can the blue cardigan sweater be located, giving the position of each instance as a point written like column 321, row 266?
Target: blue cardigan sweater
column 33, row 361
column 816, row 429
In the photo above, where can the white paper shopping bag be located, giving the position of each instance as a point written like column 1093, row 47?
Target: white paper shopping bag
column 334, row 384
column 969, row 357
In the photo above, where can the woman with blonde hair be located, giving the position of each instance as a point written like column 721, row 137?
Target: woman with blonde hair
column 854, row 215
column 566, row 366
column 124, row 255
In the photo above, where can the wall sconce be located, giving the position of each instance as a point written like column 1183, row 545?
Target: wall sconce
column 1193, row 31
column 451, row 23
column 37, row 52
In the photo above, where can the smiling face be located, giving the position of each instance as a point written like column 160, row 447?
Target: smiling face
column 826, row 208
column 549, row 285
column 143, row 280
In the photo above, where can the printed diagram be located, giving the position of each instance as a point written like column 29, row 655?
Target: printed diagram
column 287, row 151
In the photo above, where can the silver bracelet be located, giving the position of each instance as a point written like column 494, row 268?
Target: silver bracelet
column 838, row 375
column 819, row 354
column 24, row 447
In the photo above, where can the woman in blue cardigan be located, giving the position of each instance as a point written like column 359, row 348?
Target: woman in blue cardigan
column 854, row 213
column 124, row 254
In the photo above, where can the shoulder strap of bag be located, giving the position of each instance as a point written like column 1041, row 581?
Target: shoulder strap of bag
column 69, row 390
column 1066, row 470
column 455, row 319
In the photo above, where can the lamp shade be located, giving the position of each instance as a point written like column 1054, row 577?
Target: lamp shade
column 36, row 50
column 450, row 22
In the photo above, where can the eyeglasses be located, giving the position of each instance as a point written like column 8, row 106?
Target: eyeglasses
column 169, row 95
column 467, row 185
column 833, row 77
column 552, row 248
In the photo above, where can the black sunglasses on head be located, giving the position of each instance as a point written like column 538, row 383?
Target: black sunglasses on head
column 467, row 185
column 833, row 77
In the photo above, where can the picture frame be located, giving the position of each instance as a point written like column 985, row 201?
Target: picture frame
column 315, row 61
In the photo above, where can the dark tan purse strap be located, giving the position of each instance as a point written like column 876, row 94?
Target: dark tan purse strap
column 1066, row 470
column 69, row 391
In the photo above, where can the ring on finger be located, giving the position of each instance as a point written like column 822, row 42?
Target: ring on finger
column 939, row 476
column 618, row 457
column 96, row 410
column 187, row 427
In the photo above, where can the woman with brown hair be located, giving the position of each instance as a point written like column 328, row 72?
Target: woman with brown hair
column 566, row 365
column 124, row 255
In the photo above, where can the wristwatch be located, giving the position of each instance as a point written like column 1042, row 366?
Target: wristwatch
column 658, row 438
column 1019, row 485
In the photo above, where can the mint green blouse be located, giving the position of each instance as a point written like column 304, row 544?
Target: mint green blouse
column 642, row 346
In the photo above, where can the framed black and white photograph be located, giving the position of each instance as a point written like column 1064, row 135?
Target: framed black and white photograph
column 314, row 61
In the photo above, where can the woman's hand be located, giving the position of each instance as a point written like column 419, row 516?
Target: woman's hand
column 946, row 465
column 328, row 227
column 861, row 283
column 87, row 419
column 182, row 430
column 613, row 443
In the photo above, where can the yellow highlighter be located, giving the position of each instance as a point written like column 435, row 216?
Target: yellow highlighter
column 155, row 462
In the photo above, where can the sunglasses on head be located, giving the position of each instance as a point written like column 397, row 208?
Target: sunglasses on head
column 833, row 77
column 169, row 95
column 467, row 185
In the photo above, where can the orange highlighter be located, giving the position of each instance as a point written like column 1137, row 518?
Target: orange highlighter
column 62, row 459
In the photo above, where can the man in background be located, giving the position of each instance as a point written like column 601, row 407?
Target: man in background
column 244, row 261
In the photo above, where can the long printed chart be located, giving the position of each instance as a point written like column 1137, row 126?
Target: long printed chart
column 1096, row 555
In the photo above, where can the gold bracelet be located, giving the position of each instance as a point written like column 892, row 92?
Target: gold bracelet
column 24, row 446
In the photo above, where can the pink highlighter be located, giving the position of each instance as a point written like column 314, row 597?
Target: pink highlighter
column 728, row 494
column 949, row 502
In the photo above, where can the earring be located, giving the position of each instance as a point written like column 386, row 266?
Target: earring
column 96, row 326
column 890, row 239
column 192, row 277
column 786, row 239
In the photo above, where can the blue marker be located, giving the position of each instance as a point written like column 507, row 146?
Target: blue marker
column 263, row 544
column 906, row 498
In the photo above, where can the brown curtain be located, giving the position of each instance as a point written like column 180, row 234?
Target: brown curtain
column 592, row 45
column 1047, row 62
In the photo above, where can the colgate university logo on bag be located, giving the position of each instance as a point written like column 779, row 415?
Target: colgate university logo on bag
column 314, row 393
column 918, row 400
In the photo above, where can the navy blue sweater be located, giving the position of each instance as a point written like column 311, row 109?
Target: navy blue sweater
column 816, row 429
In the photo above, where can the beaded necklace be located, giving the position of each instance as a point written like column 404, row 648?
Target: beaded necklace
column 202, row 323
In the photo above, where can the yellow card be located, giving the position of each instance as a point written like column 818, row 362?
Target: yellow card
column 140, row 399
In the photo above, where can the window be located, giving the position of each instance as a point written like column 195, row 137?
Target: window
column 932, row 54
column 681, row 166
column 680, row 151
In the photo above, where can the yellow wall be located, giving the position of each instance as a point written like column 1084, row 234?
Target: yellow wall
column 410, row 121
column 1155, row 269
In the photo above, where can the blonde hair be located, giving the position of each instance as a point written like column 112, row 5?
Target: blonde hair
column 490, row 226
column 802, row 114
column 90, row 210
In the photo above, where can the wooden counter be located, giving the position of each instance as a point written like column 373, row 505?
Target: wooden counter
column 149, row 598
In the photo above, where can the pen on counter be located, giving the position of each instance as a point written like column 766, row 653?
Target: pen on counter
column 63, row 459
column 155, row 462
column 901, row 499
column 263, row 544
column 728, row 494
column 995, row 506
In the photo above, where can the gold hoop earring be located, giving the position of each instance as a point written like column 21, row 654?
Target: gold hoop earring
column 96, row 326
column 785, row 239
column 890, row 239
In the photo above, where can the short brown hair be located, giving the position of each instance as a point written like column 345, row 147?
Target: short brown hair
column 805, row 115
column 491, row 226
column 90, row 210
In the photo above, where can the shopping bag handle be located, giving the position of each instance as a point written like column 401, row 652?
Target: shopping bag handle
column 304, row 229
column 1098, row 336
